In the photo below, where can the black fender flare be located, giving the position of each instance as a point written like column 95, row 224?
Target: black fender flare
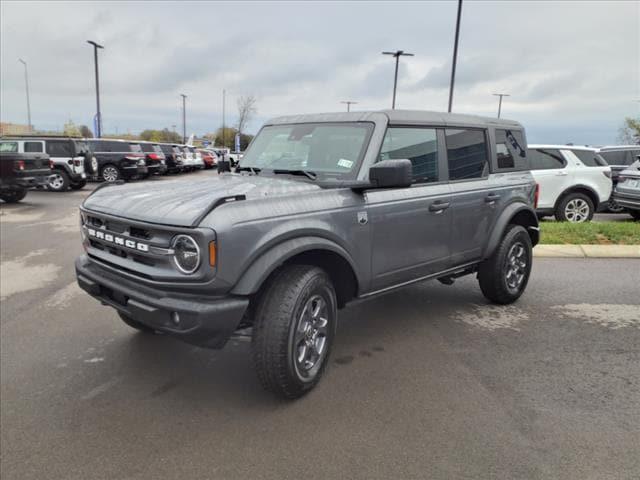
column 265, row 264
column 505, row 218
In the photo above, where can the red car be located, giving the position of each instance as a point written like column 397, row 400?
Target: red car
column 209, row 158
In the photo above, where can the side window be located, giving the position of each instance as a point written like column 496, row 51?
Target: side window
column 59, row 148
column 546, row 159
column 466, row 153
column 588, row 157
column 419, row 145
column 510, row 151
column 33, row 147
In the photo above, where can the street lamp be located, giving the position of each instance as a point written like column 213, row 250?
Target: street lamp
column 184, row 118
column 98, row 114
column 397, row 54
column 26, row 84
column 349, row 103
column 455, row 56
column 500, row 101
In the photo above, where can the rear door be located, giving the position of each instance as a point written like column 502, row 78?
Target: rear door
column 410, row 226
column 551, row 172
column 474, row 202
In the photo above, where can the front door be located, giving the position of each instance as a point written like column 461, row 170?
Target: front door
column 410, row 226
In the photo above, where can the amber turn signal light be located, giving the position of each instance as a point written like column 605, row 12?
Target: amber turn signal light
column 212, row 254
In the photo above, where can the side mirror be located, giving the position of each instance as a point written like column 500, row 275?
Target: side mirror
column 391, row 174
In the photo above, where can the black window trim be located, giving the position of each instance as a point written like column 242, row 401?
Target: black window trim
column 559, row 150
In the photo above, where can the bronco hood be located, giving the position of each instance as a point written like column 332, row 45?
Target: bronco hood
column 183, row 203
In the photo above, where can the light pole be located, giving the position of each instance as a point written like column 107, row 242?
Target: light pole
column 349, row 103
column 224, row 96
column 99, row 115
column 455, row 56
column 397, row 54
column 184, row 118
column 26, row 84
column 500, row 101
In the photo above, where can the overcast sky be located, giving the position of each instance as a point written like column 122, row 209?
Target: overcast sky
column 572, row 68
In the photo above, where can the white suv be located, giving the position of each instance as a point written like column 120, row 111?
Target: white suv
column 574, row 182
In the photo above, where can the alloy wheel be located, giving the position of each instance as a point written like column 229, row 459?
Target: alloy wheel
column 110, row 174
column 56, row 182
column 516, row 266
column 310, row 338
column 576, row 210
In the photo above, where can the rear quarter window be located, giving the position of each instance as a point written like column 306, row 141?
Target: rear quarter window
column 59, row 148
column 147, row 147
column 545, row 158
column 511, row 153
column 589, row 157
column 10, row 147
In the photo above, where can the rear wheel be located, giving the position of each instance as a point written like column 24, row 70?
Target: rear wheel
column 293, row 330
column 575, row 208
column 613, row 207
column 504, row 276
column 110, row 173
column 14, row 196
column 135, row 324
column 58, row 181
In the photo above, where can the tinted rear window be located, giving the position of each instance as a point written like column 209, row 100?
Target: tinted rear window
column 590, row 158
column 545, row 159
column 135, row 147
column 33, row 147
column 147, row 147
column 59, row 148
column 466, row 153
column 620, row 157
column 157, row 148
column 510, row 150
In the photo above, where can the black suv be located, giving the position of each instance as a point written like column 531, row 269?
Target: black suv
column 154, row 158
column 118, row 159
column 173, row 158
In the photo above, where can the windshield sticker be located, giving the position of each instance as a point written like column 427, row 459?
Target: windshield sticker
column 344, row 163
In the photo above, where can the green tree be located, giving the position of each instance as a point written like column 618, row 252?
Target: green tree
column 86, row 131
column 228, row 138
column 70, row 129
column 162, row 136
column 629, row 133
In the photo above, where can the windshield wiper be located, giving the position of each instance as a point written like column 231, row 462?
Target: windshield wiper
column 306, row 173
column 254, row 170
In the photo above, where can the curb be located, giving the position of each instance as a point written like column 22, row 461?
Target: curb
column 587, row 251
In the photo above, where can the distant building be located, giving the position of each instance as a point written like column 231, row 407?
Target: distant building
column 14, row 129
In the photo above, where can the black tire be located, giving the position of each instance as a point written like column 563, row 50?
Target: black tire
column 635, row 214
column 78, row 185
column 14, row 196
column 493, row 272
column 110, row 173
column 134, row 324
column 583, row 211
column 279, row 332
column 58, row 181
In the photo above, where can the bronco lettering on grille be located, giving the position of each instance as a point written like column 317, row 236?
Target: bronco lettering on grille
column 108, row 237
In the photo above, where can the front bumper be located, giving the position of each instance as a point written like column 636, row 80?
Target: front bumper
column 204, row 321
column 134, row 170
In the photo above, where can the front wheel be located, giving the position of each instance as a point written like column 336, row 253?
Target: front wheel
column 293, row 330
column 58, row 181
column 504, row 276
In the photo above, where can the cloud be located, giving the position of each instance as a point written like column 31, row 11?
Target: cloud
column 572, row 65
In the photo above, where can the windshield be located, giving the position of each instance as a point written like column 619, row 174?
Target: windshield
column 329, row 149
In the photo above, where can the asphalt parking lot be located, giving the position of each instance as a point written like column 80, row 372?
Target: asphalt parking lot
column 427, row 382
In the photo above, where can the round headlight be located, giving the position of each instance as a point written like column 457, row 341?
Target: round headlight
column 94, row 165
column 186, row 253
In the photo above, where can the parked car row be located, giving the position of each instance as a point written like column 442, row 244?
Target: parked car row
column 76, row 160
column 576, row 182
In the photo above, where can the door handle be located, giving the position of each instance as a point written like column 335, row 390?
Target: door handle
column 492, row 197
column 438, row 206
column 562, row 174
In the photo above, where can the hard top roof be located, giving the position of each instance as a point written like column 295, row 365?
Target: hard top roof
column 406, row 117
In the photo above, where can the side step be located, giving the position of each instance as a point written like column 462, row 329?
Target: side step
column 451, row 278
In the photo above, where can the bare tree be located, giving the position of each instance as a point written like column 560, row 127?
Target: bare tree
column 246, row 109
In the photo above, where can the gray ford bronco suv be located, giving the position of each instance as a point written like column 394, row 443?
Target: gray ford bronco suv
column 323, row 209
